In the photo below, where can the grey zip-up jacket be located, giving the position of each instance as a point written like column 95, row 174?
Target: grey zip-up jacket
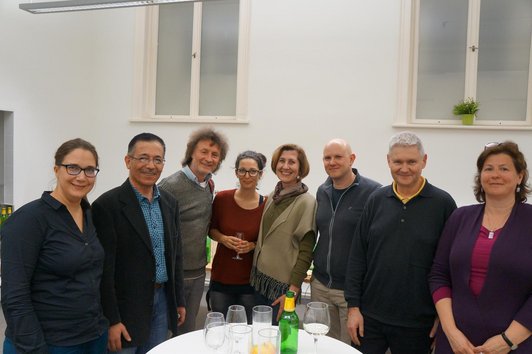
column 337, row 227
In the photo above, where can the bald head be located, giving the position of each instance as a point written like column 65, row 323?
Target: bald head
column 338, row 160
column 341, row 143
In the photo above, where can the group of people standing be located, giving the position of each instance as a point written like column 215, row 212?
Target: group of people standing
column 390, row 261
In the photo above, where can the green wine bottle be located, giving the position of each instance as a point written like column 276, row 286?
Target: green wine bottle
column 289, row 325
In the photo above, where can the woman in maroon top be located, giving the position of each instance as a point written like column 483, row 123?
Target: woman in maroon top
column 235, row 222
column 481, row 279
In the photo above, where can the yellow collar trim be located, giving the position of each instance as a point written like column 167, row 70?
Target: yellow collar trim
column 407, row 199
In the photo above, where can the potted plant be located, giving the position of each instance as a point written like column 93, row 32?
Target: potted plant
column 467, row 109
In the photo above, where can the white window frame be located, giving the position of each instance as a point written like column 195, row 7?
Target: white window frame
column 145, row 66
column 407, row 75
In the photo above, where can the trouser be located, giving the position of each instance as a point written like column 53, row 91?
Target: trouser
column 159, row 325
column 220, row 302
column 96, row 346
column 193, row 288
column 337, row 309
column 378, row 337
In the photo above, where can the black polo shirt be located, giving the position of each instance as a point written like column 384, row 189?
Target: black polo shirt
column 392, row 253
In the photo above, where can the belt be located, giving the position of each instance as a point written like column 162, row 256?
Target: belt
column 158, row 285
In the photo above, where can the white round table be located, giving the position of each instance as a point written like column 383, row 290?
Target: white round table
column 192, row 343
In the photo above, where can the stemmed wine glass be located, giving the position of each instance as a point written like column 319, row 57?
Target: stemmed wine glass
column 214, row 330
column 316, row 321
column 236, row 314
column 240, row 236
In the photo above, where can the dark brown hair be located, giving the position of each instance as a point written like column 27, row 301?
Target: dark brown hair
column 68, row 146
column 304, row 166
column 259, row 158
column 511, row 149
column 206, row 133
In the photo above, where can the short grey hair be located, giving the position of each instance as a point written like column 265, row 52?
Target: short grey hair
column 406, row 139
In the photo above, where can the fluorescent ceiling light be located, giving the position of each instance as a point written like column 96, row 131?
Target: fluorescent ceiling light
column 82, row 5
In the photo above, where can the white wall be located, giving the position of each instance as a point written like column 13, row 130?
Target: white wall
column 318, row 70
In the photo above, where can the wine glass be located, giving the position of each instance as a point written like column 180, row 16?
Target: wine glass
column 240, row 335
column 316, row 321
column 213, row 317
column 214, row 334
column 236, row 314
column 240, row 236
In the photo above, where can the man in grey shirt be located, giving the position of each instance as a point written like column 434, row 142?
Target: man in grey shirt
column 193, row 188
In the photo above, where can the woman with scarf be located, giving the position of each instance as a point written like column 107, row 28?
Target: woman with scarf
column 287, row 232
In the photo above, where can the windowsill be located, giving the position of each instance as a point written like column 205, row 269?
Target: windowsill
column 211, row 120
column 461, row 127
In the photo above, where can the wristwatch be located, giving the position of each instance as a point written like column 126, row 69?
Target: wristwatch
column 509, row 342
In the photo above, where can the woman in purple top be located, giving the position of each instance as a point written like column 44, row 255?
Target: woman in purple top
column 481, row 279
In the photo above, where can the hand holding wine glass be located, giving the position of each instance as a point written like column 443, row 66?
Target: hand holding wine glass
column 316, row 321
column 240, row 236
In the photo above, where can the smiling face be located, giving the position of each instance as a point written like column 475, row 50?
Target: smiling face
column 247, row 181
column 205, row 159
column 499, row 178
column 406, row 164
column 287, row 168
column 337, row 161
column 74, row 188
column 143, row 176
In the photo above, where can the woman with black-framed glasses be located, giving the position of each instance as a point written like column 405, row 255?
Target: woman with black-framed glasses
column 481, row 278
column 52, row 264
column 235, row 221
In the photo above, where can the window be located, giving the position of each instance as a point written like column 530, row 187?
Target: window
column 455, row 49
column 192, row 62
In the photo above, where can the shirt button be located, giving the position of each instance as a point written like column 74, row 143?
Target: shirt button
column 86, row 244
column 404, row 207
column 402, row 220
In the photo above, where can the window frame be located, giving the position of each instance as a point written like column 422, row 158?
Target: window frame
column 407, row 75
column 145, row 66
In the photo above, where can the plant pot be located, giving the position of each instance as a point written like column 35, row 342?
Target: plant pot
column 467, row 119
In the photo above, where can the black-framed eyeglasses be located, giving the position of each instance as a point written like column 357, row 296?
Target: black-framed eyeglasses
column 146, row 160
column 75, row 170
column 491, row 145
column 252, row 172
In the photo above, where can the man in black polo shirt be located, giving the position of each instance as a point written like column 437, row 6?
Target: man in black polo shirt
column 390, row 305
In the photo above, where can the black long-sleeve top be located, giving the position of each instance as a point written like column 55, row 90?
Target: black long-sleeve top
column 51, row 275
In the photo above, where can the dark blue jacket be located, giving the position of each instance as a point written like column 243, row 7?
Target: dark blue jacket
column 337, row 227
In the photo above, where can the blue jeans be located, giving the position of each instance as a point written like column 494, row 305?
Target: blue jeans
column 159, row 325
column 221, row 301
column 95, row 346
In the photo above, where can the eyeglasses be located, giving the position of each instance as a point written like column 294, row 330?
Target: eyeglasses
column 252, row 173
column 75, row 170
column 491, row 145
column 146, row 160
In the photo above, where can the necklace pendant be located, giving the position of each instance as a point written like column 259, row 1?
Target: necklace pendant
column 491, row 234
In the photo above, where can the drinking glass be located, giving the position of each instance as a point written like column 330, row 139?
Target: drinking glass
column 213, row 317
column 240, row 335
column 262, row 318
column 214, row 334
column 236, row 314
column 240, row 236
column 269, row 341
column 316, row 321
